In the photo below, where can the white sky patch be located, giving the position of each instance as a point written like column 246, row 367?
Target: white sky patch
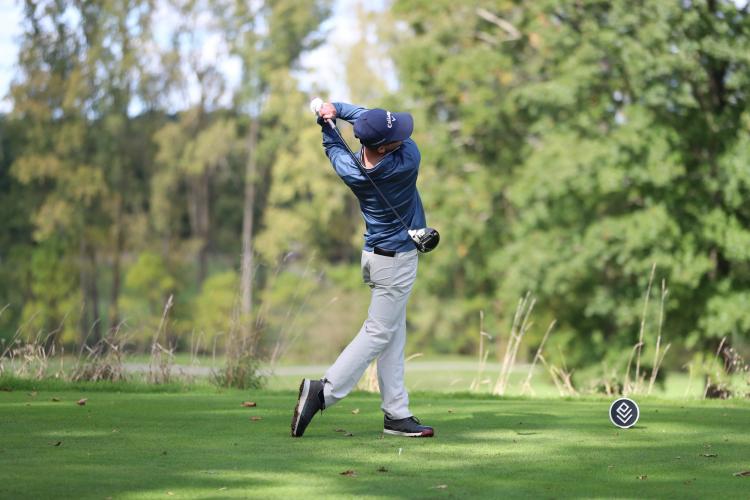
column 10, row 15
column 322, row 70
column 201, row 47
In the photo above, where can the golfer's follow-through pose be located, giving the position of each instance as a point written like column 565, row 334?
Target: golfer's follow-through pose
column 389, row 260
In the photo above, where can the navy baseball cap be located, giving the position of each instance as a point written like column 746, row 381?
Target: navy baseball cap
column 376, row 127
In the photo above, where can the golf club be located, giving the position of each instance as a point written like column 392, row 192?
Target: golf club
column 425, row 239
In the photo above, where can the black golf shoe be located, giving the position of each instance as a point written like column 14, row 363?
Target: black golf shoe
column 309, row 402
column 409, row 426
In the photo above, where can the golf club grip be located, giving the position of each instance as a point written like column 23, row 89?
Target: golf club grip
column 364, row 172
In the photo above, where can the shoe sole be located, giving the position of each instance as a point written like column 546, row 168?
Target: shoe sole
column 304, row 389
column 429, row 433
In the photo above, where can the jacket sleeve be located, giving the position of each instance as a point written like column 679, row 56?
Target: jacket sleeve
column 348, row 112
column 342, row 162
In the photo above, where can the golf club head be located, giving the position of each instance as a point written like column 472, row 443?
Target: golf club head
column 426, row 239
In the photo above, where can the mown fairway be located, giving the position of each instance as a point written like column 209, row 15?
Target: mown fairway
column 205, row 445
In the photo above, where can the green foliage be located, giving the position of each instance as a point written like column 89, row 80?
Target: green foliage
column 567, row 147
column 606, row 137
column 53, row 311
column 148, row 285
column 214, row 307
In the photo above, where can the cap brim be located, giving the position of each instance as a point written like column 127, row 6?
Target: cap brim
column 404, row 127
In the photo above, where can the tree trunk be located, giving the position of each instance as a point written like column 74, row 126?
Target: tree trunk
column 94, row 297
column 200, row 216
column 203, row 228
column 90, row 326
column 114, row 309
column 90, row 321
column 246, row 279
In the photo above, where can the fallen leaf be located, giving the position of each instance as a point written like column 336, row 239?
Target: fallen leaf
column 222, row 488
column 744, row 473
column 81, row 402
column 610, row 467
column 255, row 418
column 248, row 404
column 58, row 443
column 382, row 469
column 349, row 473
column 355, row 411
column 115, row 430
column 644, row 476
column 55, row 400
column 709, row 455
column 441, row 486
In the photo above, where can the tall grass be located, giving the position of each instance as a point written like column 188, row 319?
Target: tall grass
column 526, row 387
column 640, row 382
column 728, row 378
column 518, row 329
column 162, row 358
column 104, row 361
column 241, row 369
column 638, row 385
column 484, row 353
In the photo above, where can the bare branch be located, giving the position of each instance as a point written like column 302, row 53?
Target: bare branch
column 512, row 31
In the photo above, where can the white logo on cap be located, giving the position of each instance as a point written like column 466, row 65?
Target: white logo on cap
column 389, row 118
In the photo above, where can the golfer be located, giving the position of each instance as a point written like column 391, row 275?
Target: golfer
column 389, row 263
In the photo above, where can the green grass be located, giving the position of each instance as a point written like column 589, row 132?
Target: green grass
column 9, row 383
column 203, row 444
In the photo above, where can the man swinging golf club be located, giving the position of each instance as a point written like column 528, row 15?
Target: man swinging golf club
column 383, row 177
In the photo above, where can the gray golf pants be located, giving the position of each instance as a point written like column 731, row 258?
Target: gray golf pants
column 382, row 336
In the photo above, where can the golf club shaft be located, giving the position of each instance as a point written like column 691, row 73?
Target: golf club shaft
column 364, row 172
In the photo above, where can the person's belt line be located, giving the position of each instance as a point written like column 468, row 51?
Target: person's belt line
column 383, row 252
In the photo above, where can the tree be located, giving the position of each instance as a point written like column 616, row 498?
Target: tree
column 268, row 37
column 78, row 75
column 577, row 144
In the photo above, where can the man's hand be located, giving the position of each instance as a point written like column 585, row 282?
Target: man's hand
column 327, row 111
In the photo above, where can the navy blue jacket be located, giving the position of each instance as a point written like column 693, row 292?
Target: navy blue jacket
column 395, row 175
